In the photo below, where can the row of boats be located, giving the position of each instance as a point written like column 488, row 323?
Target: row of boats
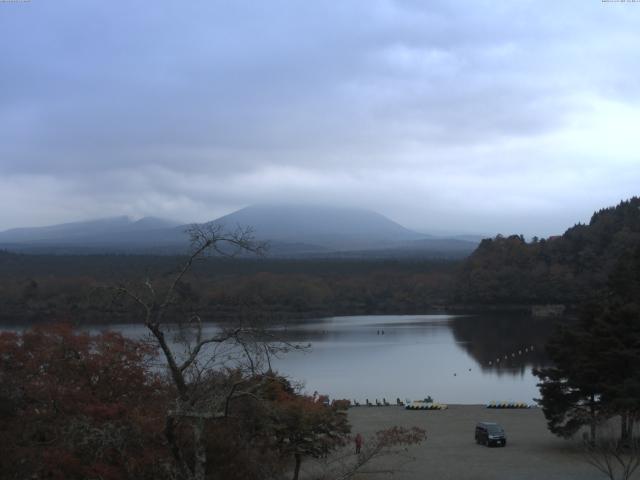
column 422, row 405
column 429, row 404
column 510, row 405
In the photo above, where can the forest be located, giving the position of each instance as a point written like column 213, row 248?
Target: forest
column 506, row 271
column 564, row 269
column 75, row 288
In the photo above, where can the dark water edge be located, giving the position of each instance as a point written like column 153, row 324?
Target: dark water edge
column 463, row 359
column 277, row 315
column 460, row 359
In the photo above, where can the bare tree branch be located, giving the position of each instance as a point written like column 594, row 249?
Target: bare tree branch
column 202, row 394
column 612, row 458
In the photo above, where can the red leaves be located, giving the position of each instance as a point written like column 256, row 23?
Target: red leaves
column 104, row 412
column 77, row 405
column 60, row 464
column 307, row 425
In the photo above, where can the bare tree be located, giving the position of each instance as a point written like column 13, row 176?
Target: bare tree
column 616, row 459
column 203, row 392
column 391, row 444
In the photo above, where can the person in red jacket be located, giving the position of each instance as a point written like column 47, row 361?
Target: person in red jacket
column 359, row 442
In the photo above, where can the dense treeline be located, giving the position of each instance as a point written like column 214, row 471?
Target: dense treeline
column 76, row 288
column 565, row 269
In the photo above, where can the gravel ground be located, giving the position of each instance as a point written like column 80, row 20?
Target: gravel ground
column 450, row 451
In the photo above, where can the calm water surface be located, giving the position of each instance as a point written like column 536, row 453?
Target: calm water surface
column 454, row 359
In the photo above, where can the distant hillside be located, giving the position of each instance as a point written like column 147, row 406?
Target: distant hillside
column 329, row 227
column 291, row 230
column 90, row 231
column 563, row 269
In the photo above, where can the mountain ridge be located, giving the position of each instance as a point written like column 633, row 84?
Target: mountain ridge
column 292, row 230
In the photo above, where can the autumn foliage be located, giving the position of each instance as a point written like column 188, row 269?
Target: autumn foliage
column 79, row 406
column 74, row 405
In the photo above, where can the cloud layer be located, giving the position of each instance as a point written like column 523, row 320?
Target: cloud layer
column 471, row 116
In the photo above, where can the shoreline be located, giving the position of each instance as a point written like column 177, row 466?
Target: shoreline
column 285, row 317
column 450, row 451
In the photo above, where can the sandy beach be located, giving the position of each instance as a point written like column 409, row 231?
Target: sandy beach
column 450, row 451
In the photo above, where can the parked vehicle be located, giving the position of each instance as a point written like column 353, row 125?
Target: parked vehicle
column 490, row 434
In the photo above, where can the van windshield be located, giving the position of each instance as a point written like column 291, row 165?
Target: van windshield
column 494, row 429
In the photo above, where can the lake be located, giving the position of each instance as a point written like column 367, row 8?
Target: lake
column 455, row 359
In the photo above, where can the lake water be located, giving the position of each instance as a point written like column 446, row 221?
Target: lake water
column 465, row 359
column 454, row 359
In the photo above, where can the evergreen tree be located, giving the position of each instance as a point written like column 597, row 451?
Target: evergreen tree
column 572, row 388
column 619, row 331
column 596, row 363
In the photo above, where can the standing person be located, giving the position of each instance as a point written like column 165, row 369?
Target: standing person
column 358, row 443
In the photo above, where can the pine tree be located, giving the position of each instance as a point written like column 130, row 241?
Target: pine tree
column 596, row 363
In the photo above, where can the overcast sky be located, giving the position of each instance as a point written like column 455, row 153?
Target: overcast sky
column 466, row 116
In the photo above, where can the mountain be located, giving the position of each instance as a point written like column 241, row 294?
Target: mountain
column 468, row 237
column 152, row 223
column 91, row 233
column 326, row 227
column 290, row 230
column 64, row 231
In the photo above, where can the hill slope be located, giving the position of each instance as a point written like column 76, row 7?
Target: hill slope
column 329, row 227
column 84, row 231
column 565, row 269
column 106, row 235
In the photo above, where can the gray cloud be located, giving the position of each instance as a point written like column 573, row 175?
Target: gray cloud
column 465, row 116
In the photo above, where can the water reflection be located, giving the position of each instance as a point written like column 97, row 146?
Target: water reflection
column 454, row 359
column 506, row 344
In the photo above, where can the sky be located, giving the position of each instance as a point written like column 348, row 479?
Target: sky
column 446, row 116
